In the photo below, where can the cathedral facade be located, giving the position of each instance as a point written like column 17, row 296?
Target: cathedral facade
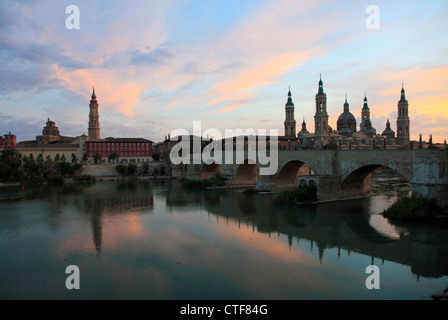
column 347, row 135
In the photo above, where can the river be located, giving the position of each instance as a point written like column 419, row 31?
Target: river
column 156, row 240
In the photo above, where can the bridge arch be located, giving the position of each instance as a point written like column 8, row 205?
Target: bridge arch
column 287, row 175
column 210, row 170
column 246, row 174
column 359, row 182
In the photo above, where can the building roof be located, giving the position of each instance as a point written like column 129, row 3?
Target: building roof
column 111, row 139
column 34, row 144
column 306, row 134
column 346, row 116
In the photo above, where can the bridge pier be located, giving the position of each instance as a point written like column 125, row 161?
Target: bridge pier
column 437, row 192
column 430, row 177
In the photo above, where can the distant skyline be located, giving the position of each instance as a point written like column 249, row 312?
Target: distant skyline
column 160, row 65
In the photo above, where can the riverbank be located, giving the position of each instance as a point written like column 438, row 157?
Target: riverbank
column 416, row 208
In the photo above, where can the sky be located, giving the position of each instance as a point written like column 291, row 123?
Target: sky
column 160, row 65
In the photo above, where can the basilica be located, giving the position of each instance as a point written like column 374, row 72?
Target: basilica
column 346, row 135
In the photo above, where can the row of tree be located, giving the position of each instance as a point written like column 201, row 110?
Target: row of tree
column 14, row 167
column 133, row 170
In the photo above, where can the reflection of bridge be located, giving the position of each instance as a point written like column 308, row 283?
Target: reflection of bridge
column 337, row 174
column 326, row 226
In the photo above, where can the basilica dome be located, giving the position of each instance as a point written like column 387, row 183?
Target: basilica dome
column 347, row 119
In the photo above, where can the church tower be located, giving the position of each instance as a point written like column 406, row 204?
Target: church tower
column 321, row 133
column 365, row 114
column 403, row 122
column 94, row 121
column 366, row 124
column 290, row 122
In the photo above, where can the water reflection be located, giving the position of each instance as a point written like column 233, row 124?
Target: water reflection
column 166, row 240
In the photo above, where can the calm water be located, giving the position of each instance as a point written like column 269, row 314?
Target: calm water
column 155, row 240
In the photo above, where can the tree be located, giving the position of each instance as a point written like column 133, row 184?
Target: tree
column 122, row 169
column 132, row 169
column 145, row 167
column 84, row 157
column 74, row 158
column 155, row 172
column 10, row 162
column 96, row 158
column 113, row 156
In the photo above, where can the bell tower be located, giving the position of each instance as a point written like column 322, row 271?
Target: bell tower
column 94, row 121
column 322, row 133
column 290, row 122
column 403, row 122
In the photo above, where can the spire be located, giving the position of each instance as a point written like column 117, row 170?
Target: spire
column 321, row 86
column 403, row 94
column 93, row 94
column 366, row 106
column 304, row 130
column 346, row 105
column 289, row 103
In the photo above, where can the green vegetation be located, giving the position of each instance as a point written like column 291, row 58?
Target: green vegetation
column 132, row 170
column 413, row 208
column 299, row 194
column 15, row 168
column 122, row 169
column 145, row 168
column 97, row 158
column 155, row 172
column 216, row 181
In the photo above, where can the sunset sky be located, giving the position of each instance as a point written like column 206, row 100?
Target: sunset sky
column 160, row 65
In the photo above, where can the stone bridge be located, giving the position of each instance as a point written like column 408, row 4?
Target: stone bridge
column 338, row 174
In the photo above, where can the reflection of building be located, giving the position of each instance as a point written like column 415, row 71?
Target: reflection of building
column 7, row 141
